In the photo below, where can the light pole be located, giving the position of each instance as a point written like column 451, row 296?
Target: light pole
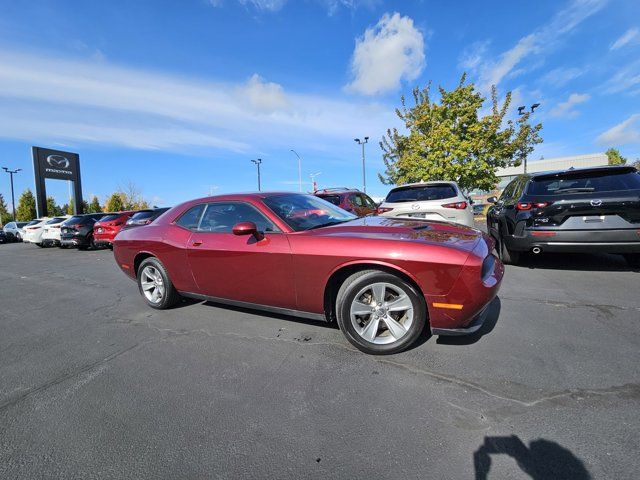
column 299, row 169
column 313, row 180
column 521, row 110
column 364, row 175
column 258, row 162
column 13, row 200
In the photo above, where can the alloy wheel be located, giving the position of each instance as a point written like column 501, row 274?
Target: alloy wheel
column 152, row 284
column 382, row 313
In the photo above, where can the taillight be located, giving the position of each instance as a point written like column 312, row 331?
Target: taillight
column 529, row 205
column 380, row 210
column 457, row 205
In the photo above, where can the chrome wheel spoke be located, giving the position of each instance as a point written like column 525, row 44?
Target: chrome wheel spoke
column 147, row 286
column 359, row 308
column 396, row 329
column 379, row 290
column 370, row 331
column 400, row 304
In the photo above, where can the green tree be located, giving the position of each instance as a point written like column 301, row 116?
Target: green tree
column 70, row 207
column 85, row 207
column 26, row 209
column 53, row 210
column 450, row 140
column 114, row 203
column 636, row 164
column 94, row 206
column 613, row 154
column 5, row 216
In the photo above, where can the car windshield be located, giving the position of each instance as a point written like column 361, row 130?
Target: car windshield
column 421, row 193
column 305, row 212
column 585, row 183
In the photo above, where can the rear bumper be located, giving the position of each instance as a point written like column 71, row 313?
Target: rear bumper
column 73, row 241
column 103, row 239
column 578, row 241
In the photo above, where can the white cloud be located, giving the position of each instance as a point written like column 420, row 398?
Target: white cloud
column 49, row 99
column 265, row 5
column 491, row 72
column 387, row 53
column 559, row 77
column 473, row 56
column 332, row 6
column 566, row 109
column 627, row 131
column 630, row 36
column 626, row 80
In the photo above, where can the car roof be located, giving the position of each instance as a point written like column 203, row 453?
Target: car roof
column 579, row 171
column 424, row 184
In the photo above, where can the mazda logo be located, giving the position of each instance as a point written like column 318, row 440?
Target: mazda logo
column 415, row 206
column 596, row 203
column 58, row 161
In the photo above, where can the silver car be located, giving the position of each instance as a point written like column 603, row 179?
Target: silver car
column 442, row 201
column 13, row 230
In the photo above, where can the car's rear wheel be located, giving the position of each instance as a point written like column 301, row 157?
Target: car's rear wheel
column 380, row 313
column 40, row 244
column 633, row 259
column 155, row 285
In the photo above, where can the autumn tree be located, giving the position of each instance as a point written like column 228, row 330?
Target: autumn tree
column 451, row 139
column 614, row 157
column 26, row 209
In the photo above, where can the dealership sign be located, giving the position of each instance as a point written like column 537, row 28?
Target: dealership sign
column 57, row 165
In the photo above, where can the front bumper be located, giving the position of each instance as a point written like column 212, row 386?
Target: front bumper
column 577, row 241
column 473, row 327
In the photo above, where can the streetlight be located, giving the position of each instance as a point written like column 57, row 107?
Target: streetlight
column 313, row 180
column 364, row 175
column 299, row 168
column 521, row 110
column 258, row 162
column 13, row 200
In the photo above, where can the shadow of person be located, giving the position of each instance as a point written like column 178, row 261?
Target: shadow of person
column 543, row 459
column 492, row 314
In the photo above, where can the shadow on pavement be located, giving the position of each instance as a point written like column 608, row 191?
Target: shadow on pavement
column 600, row 262
column 487, row 327
column 542, row 459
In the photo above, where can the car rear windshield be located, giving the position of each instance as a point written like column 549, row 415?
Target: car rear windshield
column 75, row 219
column 335, row 199
column 55, row 220
column 21, row 224
column 421, row 193
column 111, row 218
column 32, row 222
column 146, row 214
column 585, row 183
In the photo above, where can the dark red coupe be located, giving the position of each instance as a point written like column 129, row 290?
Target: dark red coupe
column 382, row 279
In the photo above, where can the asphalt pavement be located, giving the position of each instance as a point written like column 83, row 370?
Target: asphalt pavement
column 94, row 384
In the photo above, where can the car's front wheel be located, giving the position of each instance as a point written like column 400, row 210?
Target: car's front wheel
column 380, row 313
column 155, row 285
column 633, row 259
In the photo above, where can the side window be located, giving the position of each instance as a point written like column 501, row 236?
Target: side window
column 221, row 217
column 368, row 202
column 356, row 199
column 507, row 193
column 191, row 218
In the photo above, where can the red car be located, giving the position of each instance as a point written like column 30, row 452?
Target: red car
column 349, row 199
column 382, row 279
column 106, row 229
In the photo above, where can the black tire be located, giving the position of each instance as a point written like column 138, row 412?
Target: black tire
column 633, row 259
column 353, row 285
column 510, row 257
column 41, row 245
column 170, row 297
column 18, row 237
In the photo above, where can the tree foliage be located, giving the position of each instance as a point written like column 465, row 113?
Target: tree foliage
column 449, row 139
column 114, row 203
column 26, row 209
column 53, row 210
column 5, row 216
column 614, row 157
column 94, row 206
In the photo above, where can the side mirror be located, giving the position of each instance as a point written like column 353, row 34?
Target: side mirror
column 247, row 228
column 492, row 200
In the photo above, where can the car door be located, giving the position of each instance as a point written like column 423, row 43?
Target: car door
column 241, row 268
column 497, row 213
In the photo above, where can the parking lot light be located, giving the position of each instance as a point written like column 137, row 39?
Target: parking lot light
column 13, row 200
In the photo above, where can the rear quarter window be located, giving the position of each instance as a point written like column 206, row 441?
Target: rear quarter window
column 591, row 182
column 421, row 193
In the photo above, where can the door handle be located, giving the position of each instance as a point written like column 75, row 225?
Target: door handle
column 197, row 243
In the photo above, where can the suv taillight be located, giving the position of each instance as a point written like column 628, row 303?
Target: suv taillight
column 523, row 206
column 457, row 205
column 380, row 210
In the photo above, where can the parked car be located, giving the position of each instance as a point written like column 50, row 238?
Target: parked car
column 51, row 231
column 379, row 278
column 576, row 210
column 106, row 229
column 144, row 217
column 13, row 231
column 349, row 199
column 32, row 232
column 78, row 231
column 480, row 208
column 3, row 237
column 443, row 201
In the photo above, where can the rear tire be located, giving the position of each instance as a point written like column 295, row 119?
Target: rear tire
column 155, row 286
column 633, row 259
column 510, row 257
column 41, row 245
column 393, row 312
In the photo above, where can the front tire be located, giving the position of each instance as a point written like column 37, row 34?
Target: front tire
column 380, row 313
column 155, row 286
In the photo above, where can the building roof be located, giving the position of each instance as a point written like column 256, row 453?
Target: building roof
column 560, row 163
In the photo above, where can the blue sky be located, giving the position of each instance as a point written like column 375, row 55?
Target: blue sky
column 178, row 96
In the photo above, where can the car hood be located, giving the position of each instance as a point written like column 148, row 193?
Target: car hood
column 406, row 230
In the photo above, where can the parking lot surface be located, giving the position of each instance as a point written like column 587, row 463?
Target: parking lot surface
column 94, row 384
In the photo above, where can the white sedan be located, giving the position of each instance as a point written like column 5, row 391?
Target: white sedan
column 32, row 231
column 439, row 200
column 51, row 231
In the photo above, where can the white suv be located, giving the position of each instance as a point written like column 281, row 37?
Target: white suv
column 51, row 231
column 442, row 201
